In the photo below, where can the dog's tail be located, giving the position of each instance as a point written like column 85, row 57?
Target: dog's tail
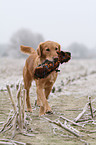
column 27, row 49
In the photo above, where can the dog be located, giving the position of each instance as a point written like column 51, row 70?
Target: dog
column 46, row 50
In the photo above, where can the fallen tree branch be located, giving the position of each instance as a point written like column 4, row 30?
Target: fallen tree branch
column 73, row 109
column 85, row 108
column 87, row 122
column 88, row 131
column 86, row 143
column 83, row 120
column 27, row 134
column 6, row 143
column 82, row 113
column 12, row 141
column 63, row 126
column 74, row 123
column 92, row 131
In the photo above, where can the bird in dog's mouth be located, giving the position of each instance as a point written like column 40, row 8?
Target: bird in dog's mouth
column 44, row 69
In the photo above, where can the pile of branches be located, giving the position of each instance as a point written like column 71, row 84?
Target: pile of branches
column 17, row 122
column 84, row 118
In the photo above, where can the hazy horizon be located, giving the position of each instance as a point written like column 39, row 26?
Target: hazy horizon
column 58, row 20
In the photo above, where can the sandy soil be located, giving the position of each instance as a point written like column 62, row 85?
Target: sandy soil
column 76, row 81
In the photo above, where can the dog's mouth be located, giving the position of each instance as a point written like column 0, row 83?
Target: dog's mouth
column 44, row 69
column 62, row 57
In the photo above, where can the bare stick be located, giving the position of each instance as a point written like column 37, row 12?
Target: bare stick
column 86, row 143
column 63, row 126
column 74, row 123
column 5, row 143
column 90, row 104
column 83, row 120
column 67, row 136
column 23, row 109
column 12, row 141
column 19, row 106
column 27, row 134
column 82, row 113
column 10, row 95
column 22, row 115
column 1, row 122
column 8, row 123
column 17, row 86
column 93, row 100
column 92, row 131
column 88, row 131
column 10, row 126
column 14, row 126
column 84, row 110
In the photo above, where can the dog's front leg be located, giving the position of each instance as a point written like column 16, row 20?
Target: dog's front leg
column 44, row 106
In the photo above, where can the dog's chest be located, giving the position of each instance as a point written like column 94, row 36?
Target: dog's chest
column 48, row 81
column 51, row 78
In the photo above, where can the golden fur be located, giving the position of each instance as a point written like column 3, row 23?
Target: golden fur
column 46, row 50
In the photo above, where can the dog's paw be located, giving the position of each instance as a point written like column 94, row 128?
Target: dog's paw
column 49, row 112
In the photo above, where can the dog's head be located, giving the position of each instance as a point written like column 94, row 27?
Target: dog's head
column 48, row 50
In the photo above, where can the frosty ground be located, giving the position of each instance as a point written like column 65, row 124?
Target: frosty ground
column 76, row 81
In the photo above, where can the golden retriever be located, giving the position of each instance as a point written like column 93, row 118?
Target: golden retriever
column 46, row 50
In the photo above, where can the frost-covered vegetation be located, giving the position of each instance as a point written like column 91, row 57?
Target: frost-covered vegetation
column 76, row 81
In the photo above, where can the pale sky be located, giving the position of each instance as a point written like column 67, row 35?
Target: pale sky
column 64, row 21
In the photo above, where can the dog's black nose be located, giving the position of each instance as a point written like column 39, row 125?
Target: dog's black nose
column 69, row 53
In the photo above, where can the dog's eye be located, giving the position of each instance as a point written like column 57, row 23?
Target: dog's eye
column 47, row 49
column 56, row 48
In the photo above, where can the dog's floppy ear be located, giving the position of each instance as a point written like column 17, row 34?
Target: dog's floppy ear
column 39, row 49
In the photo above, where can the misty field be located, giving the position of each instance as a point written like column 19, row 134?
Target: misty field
column 76, row 81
